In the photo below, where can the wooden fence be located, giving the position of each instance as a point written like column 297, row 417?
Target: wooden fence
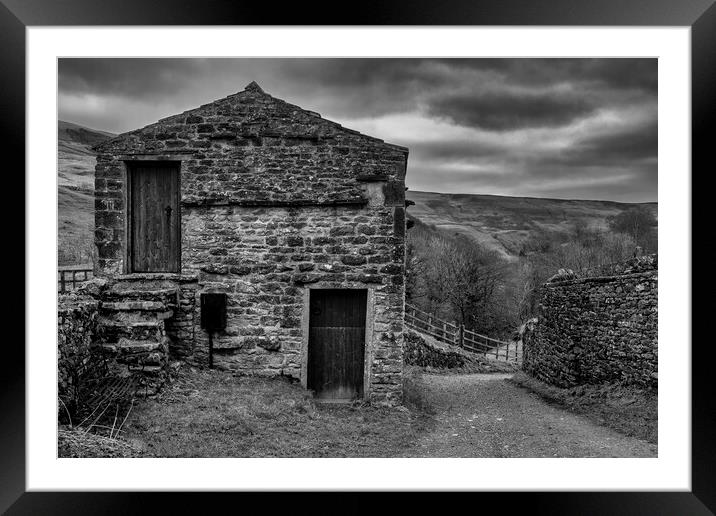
column 69, row 278
column 458, row 335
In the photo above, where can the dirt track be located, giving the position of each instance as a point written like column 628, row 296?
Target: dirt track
column 483, row 415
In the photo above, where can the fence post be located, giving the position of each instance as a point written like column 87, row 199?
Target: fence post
column 462, row 335
column 62, row 281
column 445, row 331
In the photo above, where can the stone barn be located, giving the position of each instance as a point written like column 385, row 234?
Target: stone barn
column 299, row 221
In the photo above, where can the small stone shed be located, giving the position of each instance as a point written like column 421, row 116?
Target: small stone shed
column 300, row 221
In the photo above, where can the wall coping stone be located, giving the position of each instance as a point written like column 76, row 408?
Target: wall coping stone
column 68, row 303
column 599, row 279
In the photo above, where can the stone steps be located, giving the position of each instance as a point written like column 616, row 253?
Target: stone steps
column 112, row 331
column 132, row 316
column 148, row 370
column 127, row 306
column 127, row 346
column 162, row 295
column 132, row 322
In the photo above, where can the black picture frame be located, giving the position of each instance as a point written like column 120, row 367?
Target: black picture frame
column 699, row 15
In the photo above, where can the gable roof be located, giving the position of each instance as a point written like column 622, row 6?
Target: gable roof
column 254, row 112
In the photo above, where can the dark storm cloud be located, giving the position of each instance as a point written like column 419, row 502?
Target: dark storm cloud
column 502, row 110
column 457, row 151
column 137, row 78
column 576, row 127
column 393, row 85
column 618, row 73
column 633, row 144
column 630, row 146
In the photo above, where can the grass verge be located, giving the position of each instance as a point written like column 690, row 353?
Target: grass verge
column 210, row 413
column 629, row 410
column 78, row 443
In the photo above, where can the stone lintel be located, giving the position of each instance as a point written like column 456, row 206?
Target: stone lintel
column 372, row 177
column 274, row 204
column 155, row 157
column 153, row 276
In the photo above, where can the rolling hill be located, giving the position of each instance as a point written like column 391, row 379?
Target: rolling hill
column 75, row 198
column 503, row 223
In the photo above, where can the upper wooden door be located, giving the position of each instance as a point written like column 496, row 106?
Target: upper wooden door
column 154, row 217
column 336, row 343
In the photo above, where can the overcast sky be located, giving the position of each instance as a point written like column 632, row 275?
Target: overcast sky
column 563, row 128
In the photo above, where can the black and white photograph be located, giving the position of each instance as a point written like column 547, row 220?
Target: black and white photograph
column 357, row 257
column 408, row 247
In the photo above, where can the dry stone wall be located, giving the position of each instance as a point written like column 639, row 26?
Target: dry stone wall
column 420, row 352
column 77, row 326
column 596, row 329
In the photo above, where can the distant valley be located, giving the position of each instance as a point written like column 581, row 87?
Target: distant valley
column 502, row 223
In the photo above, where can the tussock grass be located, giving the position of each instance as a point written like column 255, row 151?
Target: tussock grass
column 211, row 413
column 78, row 443
column 629, row 410
column 478, row 365
column 415, row 391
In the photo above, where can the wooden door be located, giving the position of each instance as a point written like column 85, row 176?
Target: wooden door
column 336, row 343
column 154, row 217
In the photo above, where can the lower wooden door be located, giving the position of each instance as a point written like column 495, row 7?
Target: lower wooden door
column 336, row 343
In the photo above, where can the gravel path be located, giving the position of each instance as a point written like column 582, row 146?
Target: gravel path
column 483, row 415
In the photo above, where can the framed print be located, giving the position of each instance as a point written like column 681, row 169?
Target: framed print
column 410, row 250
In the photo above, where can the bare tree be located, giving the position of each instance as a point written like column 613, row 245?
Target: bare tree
column 638, row 223
column 464, row 277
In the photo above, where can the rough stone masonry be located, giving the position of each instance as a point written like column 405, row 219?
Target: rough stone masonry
column 274, row 201
column 76, row 329
column 598, row 328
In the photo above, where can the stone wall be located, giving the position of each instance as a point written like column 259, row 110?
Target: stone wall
column 180, row 327
column 420, row 351
column 76, row 329
column 277, row 255
column 247, row 149
column 595, row 329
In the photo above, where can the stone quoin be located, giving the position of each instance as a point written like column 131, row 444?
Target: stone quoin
column 300, row 221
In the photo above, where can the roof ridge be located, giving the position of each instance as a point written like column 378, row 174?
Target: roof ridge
column 253, row 86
